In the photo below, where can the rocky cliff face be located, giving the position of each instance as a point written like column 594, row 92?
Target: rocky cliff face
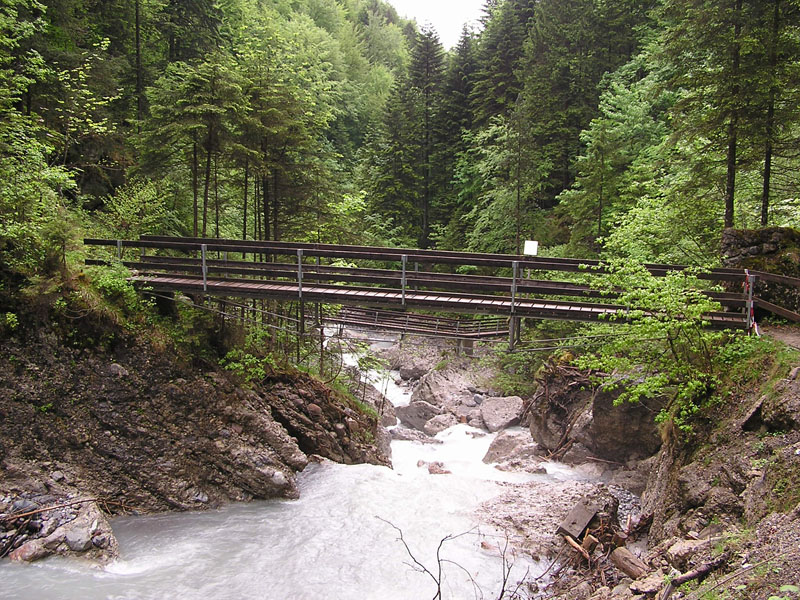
column 137, row 430
column 571, row 417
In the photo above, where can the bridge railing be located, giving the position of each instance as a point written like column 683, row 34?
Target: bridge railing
column 196, row 260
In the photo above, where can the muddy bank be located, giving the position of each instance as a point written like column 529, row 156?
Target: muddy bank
column 140, row 431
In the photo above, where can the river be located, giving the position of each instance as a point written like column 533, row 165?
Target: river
column 339, row 541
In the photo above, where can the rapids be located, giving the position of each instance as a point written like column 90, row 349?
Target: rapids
column 339, row 541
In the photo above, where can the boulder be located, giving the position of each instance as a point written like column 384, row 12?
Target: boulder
column 781, row 410
column 681, row 552
column 413, row 371
column 116, row 370
column 500, row 413
column 412, row 435
column 434, row 468
column 572, row 410
column 416, row 414
column 446, row 389
column 439, row 423
column 510, row 445
column 87, row 534
column 649, row 585
column 624, row 432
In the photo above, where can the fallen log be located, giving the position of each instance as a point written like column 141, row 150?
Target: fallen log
column 628, row 563
column 697, row 573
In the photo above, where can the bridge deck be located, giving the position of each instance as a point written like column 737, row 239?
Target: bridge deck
column 393, row 279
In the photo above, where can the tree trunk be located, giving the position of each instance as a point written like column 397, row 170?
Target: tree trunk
column 206, row 187
column 216, row 200
column 518, row 205
column 733, row 123
column 139, row 75
column 195, row 186
column 257, row 211
column 275, row 207
column 770, row 125
column 265, row 206
column 244, row 219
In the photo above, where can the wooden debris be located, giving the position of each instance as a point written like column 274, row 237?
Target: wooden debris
column 620, row 537
column 589, row 543
column 578, row 519
column 628, row 563
column 697, row 573
column 577, row 547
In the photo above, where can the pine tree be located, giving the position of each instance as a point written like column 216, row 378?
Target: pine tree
column 500, row 50
column 573, row 43
column 425, row 75
column 709, row 46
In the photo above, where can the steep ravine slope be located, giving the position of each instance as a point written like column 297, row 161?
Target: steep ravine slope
column 139, row 430
column 722, row 500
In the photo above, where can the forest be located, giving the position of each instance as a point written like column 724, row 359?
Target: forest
column 629, row 128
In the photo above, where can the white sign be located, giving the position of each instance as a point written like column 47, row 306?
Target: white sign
column 531, row 248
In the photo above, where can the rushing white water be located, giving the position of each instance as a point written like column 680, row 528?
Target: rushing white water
column 338, row 541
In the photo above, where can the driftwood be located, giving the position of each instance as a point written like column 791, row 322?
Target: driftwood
column 10, row 543
column 575, row 545
column 629, row 564
column 738, row 573
column 589, row 543
column 697, row 573
column 13, row 517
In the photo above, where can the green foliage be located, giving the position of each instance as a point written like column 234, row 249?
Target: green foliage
column 112, row 282
column 365, row 409
column 516, row 373
column 660, row 345
column 8, row 323
column 136, row 209
column 252, row 369
column 787, row 593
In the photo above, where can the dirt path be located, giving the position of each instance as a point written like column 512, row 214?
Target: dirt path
column 788, row 334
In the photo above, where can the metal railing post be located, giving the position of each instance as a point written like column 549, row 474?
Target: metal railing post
column 203, row 249
column 749, row 304
column 404, row 260
column 515, row 269
column 300, row 274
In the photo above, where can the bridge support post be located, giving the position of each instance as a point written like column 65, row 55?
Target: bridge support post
column 301, row 325
column 316, row 304
column 404, row 261
column 513, row 321
column 467, row 347
column 749, row 308
column 203, row 250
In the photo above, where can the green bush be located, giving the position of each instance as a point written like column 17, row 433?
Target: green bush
column 661, row 344
column 112, row 282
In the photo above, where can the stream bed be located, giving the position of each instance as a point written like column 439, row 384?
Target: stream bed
column 340, row 540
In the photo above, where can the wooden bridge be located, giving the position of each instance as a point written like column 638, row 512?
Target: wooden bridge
column 295, row 271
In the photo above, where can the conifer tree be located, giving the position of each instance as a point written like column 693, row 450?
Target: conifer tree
column 426, row 76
